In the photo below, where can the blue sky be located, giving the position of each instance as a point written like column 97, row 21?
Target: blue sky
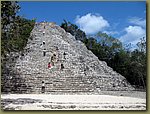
column 123, row 20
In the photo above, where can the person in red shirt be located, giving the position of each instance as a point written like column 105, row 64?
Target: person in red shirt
column 49, row 65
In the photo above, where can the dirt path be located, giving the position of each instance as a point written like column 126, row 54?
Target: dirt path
column 70, row 102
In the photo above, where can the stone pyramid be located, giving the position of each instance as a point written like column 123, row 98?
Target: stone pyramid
column 75, row 68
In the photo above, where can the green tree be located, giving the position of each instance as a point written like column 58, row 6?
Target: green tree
column 110, row 46
column 15, row 34
column 74, row 30
column 21, row 33
column 8, row 16
column 142, row 45
column 139, row 63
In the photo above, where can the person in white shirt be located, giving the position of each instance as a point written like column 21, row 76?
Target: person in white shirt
column 43, row 33
column 43, row 42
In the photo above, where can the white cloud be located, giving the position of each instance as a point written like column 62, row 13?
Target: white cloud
column 91, row 24
column 138, row 21
column 133, row 34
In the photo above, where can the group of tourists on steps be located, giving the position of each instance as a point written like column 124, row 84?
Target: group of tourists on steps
column 51, row 63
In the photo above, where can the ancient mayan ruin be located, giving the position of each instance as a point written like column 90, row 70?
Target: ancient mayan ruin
column 64, row 64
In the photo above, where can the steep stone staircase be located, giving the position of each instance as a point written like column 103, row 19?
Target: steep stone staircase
column 82, row 72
